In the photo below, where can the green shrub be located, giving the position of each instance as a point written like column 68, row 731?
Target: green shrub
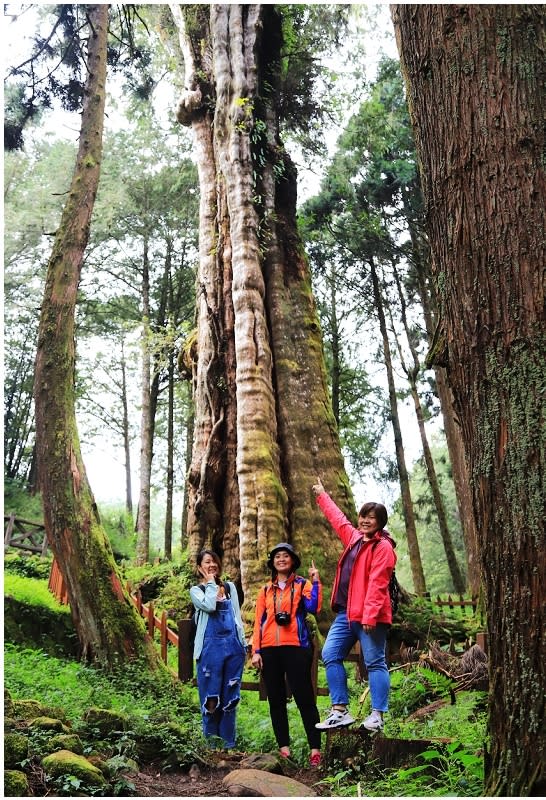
column 28, row 566
column 120, row 530
column 32, row 591
column 33, row 617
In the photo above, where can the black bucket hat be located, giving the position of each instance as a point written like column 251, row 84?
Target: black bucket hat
column 289, row 549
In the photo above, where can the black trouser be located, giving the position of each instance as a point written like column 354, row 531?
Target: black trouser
column 294, row 663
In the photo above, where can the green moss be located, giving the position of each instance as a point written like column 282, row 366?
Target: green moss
column 66, row 763
column 15, row 749
column 27, row 709
column 48, row 724
column 67, row 741
column 15, row 784
column 105, row 721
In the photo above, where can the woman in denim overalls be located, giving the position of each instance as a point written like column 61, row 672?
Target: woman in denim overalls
column 219, row 650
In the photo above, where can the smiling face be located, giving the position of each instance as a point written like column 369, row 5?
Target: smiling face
column 283, row 562
column 209, row 567
column 368, row 524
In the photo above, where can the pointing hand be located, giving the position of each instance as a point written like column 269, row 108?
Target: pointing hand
column 318, row 487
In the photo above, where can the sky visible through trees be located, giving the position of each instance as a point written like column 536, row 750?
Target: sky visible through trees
column 104, row 463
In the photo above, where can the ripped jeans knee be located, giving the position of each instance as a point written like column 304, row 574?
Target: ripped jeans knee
column 211, row 704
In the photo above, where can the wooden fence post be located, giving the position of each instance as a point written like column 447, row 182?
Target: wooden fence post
column 9, row 530
column 163, row 631
column 185, row 655
column 151, row 621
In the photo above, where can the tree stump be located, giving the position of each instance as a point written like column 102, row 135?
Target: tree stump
column 347, row 744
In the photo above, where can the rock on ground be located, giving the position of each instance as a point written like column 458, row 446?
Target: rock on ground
column 256, row 783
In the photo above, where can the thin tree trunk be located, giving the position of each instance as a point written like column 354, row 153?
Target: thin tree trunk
column 475, row 77
column 170, row 457
column 417, row 573
column 126, row 437
column 457, row 576
column 187, row 461
column 143, row 516
column 108, row 626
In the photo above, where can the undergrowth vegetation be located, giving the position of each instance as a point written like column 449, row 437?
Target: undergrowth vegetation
column 163, row 719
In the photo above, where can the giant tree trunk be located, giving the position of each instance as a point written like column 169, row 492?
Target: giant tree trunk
column 108, row 626
column 264, row 427
column 475, row 77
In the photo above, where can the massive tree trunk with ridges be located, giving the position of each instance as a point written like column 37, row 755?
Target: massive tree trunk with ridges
column 476, row 76
column 264, row 427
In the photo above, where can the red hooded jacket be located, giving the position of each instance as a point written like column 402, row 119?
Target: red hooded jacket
column 368, row 600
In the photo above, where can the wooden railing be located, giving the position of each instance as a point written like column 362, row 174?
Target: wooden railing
column 181, row 638
column 460, row 603
column 24, row 534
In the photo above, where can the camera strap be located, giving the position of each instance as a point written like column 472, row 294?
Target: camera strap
column 291, row 598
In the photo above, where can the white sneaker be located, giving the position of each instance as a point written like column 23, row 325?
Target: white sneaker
column 374, row 722
column 335, row 719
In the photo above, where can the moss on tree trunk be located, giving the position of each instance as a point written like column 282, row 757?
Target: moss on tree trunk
column 476, row 77
column 108, row 626
column 264, row 427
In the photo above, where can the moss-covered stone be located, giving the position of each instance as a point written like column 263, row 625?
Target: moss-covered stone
column 105, row 720
column 67, row 741
column 27, row 709
column 15, row 783
column 49, row 724
column 8, row 704
column 64, row 762
column 15, row 749
column 10, row 723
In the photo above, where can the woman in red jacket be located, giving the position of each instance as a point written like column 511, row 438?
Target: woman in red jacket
column 360, row 598
column 281, row 646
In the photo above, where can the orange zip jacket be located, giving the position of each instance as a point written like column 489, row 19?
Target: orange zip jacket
column 307, row 598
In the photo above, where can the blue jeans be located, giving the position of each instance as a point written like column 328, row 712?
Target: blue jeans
column 219, row 672
column 341, row 637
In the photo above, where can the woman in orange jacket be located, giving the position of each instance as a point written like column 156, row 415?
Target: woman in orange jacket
column 281, row 646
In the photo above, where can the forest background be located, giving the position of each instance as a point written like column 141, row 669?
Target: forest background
column 32, row 208
column 396, row 297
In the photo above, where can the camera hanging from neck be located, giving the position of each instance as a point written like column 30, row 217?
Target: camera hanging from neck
column 283, row 617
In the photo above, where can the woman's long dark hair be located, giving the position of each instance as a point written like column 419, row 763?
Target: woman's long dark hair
column 216, row 558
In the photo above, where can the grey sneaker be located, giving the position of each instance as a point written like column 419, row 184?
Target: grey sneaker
column 374, row 722
column 335, row 719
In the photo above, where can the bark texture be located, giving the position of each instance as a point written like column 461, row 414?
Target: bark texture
column 476, row 89
column 108, row 626
column 264, row 427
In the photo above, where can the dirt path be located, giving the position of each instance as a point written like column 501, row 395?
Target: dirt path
column 205, row 781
